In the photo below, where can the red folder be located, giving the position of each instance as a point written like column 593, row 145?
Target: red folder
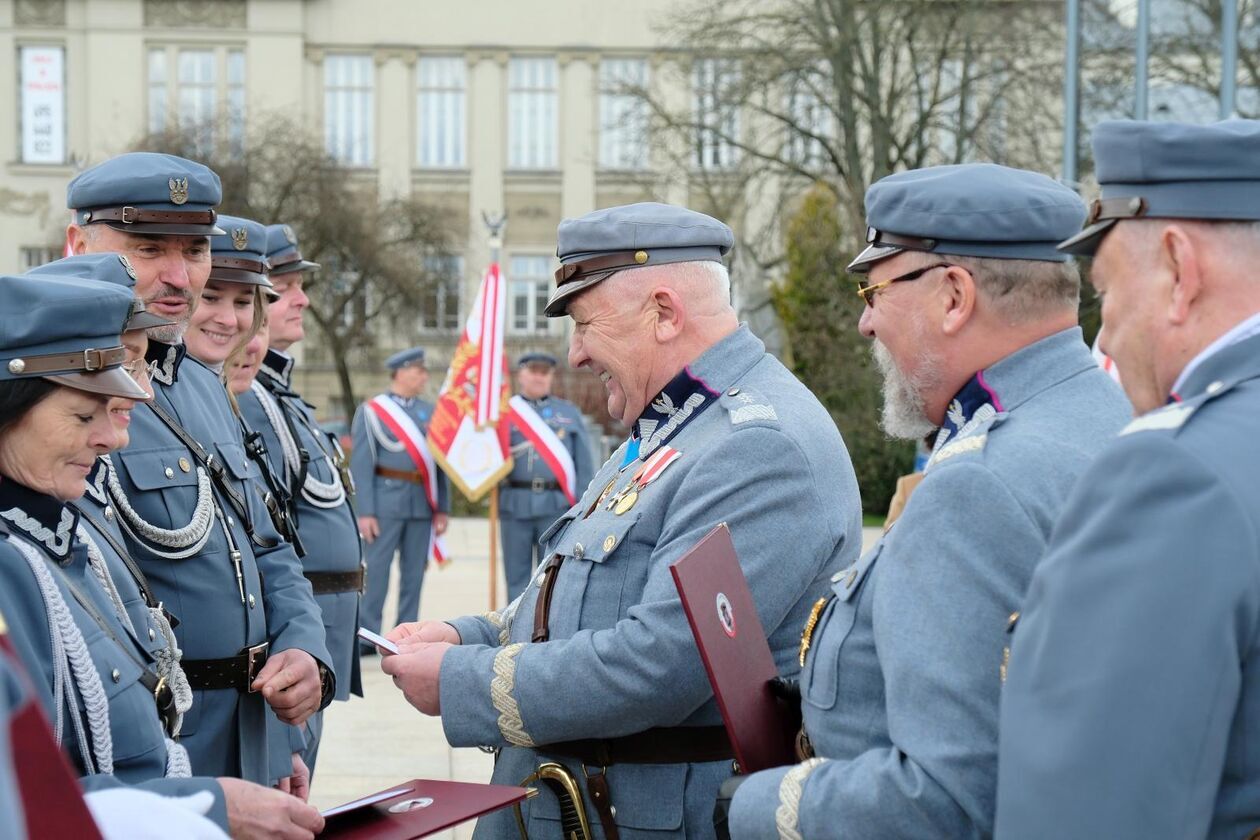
column 736, row 655
column 419, row 808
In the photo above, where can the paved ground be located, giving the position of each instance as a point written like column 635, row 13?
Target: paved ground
column 376, row 741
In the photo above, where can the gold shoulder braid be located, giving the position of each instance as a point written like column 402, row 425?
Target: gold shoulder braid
column 807, row 635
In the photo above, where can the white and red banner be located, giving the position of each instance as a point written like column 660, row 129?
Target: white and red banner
column 409, row 435
column 465, row 435
column 548, row 445
column 1106, row 362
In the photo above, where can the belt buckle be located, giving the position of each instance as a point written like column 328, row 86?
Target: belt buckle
column 255, row 657
column 362, row 576
column 537, row 484
column 128, row 215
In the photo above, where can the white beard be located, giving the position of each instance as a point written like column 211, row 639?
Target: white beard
column 904, row 415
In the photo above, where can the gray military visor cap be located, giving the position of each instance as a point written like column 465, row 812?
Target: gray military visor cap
column 593, row 247
column 1158, row 170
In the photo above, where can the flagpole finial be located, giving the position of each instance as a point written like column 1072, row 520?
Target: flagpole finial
column 495, row 225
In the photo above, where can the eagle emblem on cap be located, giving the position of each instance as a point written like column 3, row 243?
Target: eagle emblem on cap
column 131, row 272
column 240, row 238
column 290, row 235
column 179, row 190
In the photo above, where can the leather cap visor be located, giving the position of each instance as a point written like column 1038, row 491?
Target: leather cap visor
column 114, row 382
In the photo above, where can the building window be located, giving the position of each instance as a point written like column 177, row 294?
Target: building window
column 439, row 308
column 349, row 108
column 43, row 105
column 529, row 281
column 532, row 99
column 810, row 123
column 204, row 96
column 37, row 255
column 440, row 85
column 714, row 87
column 623, row 113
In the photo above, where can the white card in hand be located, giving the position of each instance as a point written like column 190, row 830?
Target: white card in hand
column 378, row 640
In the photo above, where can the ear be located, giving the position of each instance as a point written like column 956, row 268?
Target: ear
column 1179, row 254
column 959, row 288
column 77, row 238
column 669, row 313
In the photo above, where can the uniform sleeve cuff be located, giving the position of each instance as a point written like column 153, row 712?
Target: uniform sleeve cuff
column 469, row 716
column 754, row 804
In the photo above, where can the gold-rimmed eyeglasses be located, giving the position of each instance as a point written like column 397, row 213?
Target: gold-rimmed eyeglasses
column 866, row 290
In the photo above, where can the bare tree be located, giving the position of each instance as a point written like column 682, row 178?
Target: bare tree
column 789, row 92
column 379, row 257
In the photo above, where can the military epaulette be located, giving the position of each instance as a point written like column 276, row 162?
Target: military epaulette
column 745, row 406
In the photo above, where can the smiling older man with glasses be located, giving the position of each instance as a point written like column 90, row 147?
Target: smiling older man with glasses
column 972, row 316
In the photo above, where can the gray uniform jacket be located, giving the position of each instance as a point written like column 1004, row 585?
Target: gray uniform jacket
column 1133, row 697
column 325, row 519
column 758, row 453
column 138, row 741
column 900, row 686
column 389, row 497
column 566, row 421
column 170, row 514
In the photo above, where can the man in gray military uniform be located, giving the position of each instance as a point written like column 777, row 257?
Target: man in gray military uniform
column 185, row 493
column 548, row 473
column 972, row 315
column 311, row 464
column 403, row 498
column 1134, row 678
column 594, row 667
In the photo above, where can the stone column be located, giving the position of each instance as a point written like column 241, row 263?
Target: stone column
column 395, row 121
column 578, row 134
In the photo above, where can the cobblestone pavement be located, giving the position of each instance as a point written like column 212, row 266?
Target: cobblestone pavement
column 378, row 740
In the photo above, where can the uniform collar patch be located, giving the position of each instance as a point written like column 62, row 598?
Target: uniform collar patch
column 682, row 399
column 40, row 518
column 166, row 359
column 278, row 366
column 975, row 404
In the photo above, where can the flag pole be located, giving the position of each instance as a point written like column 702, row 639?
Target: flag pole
column 495, row 225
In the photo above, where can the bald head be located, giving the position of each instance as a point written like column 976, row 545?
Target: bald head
column 639, row 328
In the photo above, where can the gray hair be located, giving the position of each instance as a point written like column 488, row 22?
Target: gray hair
column 1025, row 290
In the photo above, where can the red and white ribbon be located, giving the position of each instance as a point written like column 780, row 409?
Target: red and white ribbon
column 490, row 373
column 410, row 436
column 548, row 445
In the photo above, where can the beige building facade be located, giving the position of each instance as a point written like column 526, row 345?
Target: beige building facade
column 513, row 107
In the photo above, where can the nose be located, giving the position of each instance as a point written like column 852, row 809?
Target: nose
column 300, row 299
column 577, row 355
column 104, row 437
column 865, row 327
column 174, row 271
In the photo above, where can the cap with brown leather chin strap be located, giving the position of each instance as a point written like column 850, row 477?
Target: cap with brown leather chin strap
column 594, row 247
column 147, row 193
column 67, row 330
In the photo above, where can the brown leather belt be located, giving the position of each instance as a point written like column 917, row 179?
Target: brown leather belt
column 538, row 485
column 664, row 745
column 330, row 583
column 131, row 215
column 401, row 475
column 237, row 672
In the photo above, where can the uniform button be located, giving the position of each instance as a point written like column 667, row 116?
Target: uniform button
column 231, row 524
column 1010, row 622
column 184, row 465
column 612, row 810
column 579, row 550
column 152, row 635
column 251, row 602
column 848, row 582
column 734, row 392
column 109, row 514
column 609, row 542
column 115, row 675
column 837, row 576
column 1215, row 386
column 170, row 473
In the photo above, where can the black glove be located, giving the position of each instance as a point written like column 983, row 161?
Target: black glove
column 722, row 807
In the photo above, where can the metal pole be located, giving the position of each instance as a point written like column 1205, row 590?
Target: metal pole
column 1071, row 91
column 1143, row 59
column 495, row 225
column 1229, row 56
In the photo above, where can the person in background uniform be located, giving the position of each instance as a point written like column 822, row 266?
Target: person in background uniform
column 532, row 495
column 185, row 493
column 61, row 384
column 972, row 314
column 595, row 666
column 1133, row 685
column 311, row 465
column 396, row 513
